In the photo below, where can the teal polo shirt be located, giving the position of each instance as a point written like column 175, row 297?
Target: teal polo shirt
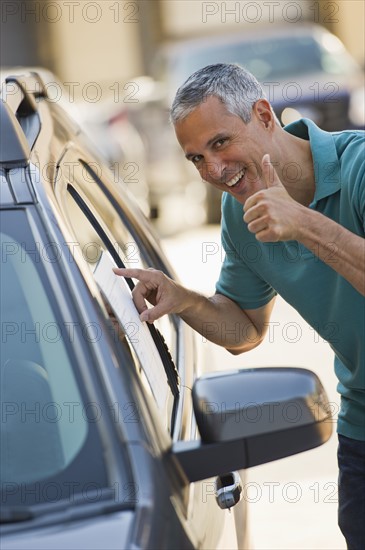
column 253, row 273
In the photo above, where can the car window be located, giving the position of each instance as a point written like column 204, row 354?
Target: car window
column 126, row 239
column 45, row 428
column 267, row 59
column 101, row 256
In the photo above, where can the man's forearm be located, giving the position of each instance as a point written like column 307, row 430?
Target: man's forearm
column 335, row 245
column 222, row 322
column 219, row 319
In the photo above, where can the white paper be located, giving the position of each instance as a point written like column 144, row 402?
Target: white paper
column 119, row 296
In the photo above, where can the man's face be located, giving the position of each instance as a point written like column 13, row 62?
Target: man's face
column 226, row 151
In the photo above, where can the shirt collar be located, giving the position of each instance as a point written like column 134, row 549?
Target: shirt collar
column 325, row 159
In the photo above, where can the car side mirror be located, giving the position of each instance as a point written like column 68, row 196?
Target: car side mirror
column 253, row 416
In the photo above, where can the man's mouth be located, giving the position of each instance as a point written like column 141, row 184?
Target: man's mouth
column 232, row 182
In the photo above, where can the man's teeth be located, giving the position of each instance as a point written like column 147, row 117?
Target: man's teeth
column 234, row 180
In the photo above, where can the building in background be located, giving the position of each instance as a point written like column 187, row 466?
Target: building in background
column 104, row 54
column 109, row 40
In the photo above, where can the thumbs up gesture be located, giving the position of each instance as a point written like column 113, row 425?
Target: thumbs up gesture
column 271, row 214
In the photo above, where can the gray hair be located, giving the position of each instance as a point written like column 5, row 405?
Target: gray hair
column 237, row 89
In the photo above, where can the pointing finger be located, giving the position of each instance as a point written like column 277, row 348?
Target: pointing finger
column 140, row 291
column 148, row 276
column 129, row 272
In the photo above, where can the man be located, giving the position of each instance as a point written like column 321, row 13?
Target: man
column 296, row 197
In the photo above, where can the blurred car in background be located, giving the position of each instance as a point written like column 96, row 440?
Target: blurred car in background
column 305, row 71
column 109, row 127
column 302, row 68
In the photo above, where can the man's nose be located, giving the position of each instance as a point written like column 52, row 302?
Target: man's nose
column 213, row 169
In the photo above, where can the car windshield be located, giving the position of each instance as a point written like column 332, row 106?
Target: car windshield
column 48, row 428
column 270, row 59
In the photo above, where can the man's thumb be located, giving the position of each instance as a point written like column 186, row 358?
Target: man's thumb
column 150, row 315
column 270, row 176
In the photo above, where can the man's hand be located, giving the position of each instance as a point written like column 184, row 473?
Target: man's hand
column 273, row 216
column 159, row 290
column 271, row 213
column 217, row 318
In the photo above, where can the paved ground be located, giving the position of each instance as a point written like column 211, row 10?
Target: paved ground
column 292, row 502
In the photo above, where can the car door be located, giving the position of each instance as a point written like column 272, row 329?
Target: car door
column 92, row 219
column 106, row 235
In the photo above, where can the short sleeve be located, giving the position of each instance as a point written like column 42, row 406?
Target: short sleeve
column 237, row 280
column 353, row 178
column 357, row 176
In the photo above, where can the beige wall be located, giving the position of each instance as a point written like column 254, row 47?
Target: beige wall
column 350, row 26
column 95, row 41
column 102, row 40
column 194, row 17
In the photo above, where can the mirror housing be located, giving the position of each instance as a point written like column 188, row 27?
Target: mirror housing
column 253, row 416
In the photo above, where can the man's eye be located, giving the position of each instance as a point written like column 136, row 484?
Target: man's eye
column 219, row 142
column 196, row 159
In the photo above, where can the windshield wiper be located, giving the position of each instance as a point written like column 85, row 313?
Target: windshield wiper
column 15, row 514
column 79, row 508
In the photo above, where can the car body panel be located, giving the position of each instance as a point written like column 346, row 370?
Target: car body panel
column 164, row 511
column 104, row 532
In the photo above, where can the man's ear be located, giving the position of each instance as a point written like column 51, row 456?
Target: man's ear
column 263, row 112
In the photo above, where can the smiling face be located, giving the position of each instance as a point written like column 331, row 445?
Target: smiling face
column 226, row 151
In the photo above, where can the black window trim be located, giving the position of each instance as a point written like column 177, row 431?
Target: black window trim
column 167, row 361
column 130, row 226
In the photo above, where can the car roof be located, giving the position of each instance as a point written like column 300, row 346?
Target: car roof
column 16, row 104
column 24, row 93
column 245, row 34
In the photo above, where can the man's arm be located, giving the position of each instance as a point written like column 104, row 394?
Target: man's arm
column 335, row 245
column 223, row 322
column 217, row 318
column 274, row 216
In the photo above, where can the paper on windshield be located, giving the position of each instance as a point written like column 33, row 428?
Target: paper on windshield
column 119, row 296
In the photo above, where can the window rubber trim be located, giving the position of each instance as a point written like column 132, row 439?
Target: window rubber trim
column 167, row 361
